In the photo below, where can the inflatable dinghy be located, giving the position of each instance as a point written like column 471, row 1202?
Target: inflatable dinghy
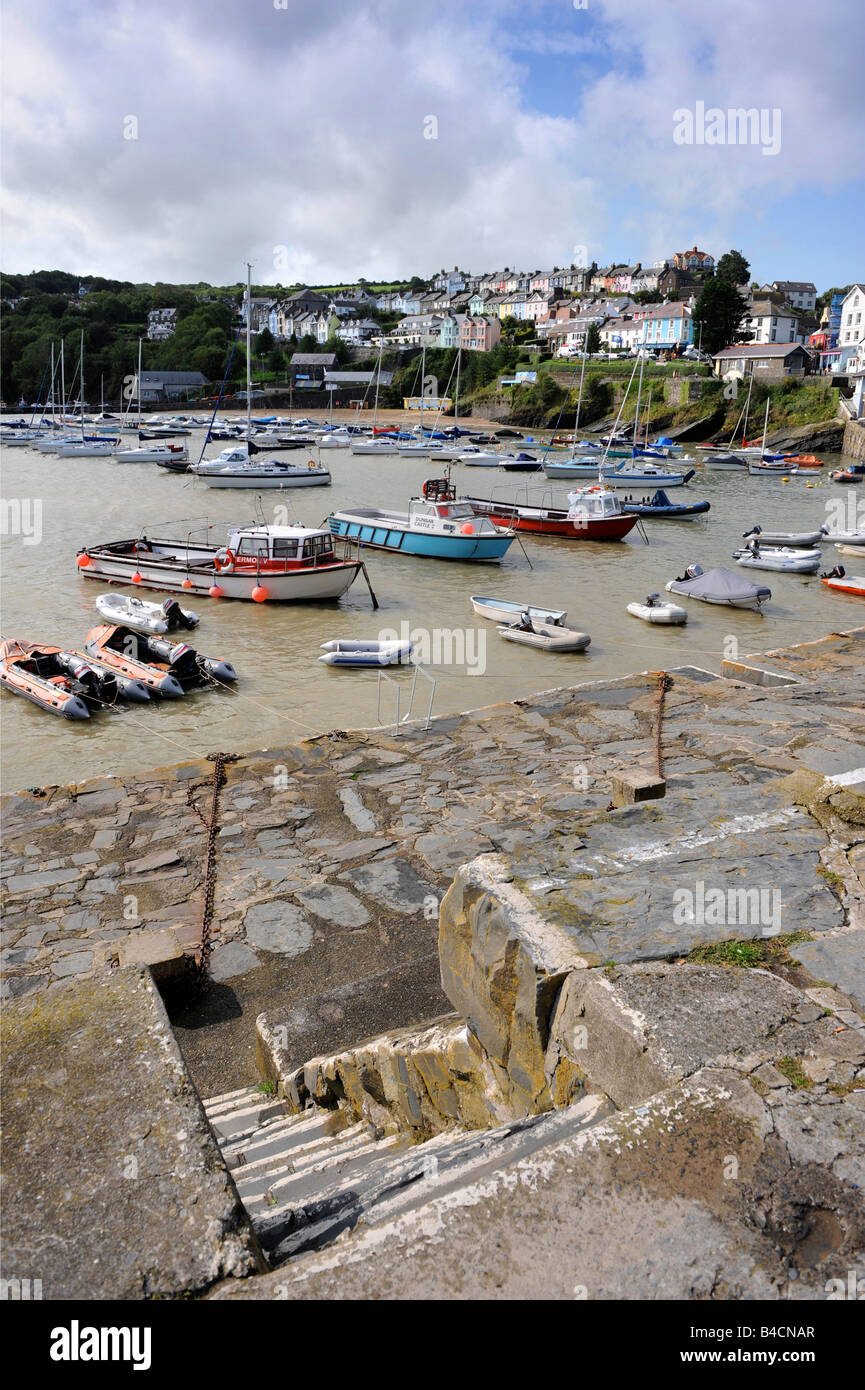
column 358, row 653
column 658, row 610
column 137, row 613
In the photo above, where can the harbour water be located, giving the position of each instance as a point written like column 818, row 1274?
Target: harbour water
column 284, row 693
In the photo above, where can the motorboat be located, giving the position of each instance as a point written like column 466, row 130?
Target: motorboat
column 719, row 586
column 282, row 564
column 549, row 637
column 479, row 458
column 800, row 540
column 372, row 653
column 658, row 610
column 58, row 681
column 842, row 583
column 784, row 558
column 154, row 453
column 774, row 467
column 594, row 513
column 659, row 505
column 155, row 618
column 855, row 473
column 520, row 463
column 167, row 668
column 438, row 525
column 502, row 610
column 87, row 449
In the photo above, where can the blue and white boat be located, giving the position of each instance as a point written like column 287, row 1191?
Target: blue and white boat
column 573, row 468
column 437, row 526
column 636, row 474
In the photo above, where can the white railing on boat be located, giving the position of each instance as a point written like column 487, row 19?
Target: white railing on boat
column 406, row 718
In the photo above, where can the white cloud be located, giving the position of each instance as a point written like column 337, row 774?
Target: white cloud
column 304, row 128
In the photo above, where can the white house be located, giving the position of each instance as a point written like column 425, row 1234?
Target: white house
column 852, row 327
column 800, row 293
column 769, row 324
column 356, row 332
column 621, row 335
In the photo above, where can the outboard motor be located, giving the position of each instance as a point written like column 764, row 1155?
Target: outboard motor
column 694, row 571
column 174, row 615
column 180, row 658
column 91, row 685
column 754, row 531
column 651, row 600
column 838, row 572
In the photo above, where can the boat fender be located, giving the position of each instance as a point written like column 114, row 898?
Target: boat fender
column 223, row 561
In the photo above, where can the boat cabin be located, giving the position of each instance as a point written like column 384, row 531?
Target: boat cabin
column 445, row 516
column 595, row 502
column 280, row 547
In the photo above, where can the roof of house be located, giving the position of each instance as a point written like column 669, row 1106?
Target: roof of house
column 760, row 350
column 676, row 310
column 761, row 309
column 172, row 379
column 798, row 286
column 357, row 378
column 312, row 359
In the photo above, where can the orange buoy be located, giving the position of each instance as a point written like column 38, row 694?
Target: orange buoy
column 136, row 578
column 216, row 591
column 83, row 561
column 467, row 529
column 259, row 593
column 187, row 583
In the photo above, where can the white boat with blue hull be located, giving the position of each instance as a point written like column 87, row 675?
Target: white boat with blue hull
column 433, row 527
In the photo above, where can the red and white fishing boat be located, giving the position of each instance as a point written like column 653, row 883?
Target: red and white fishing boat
column 594, row 514
column 280, row 564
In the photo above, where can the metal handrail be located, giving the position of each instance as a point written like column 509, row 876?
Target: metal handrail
column 383, row 676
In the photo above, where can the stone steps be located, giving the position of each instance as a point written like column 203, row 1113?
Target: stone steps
column 306, row 1178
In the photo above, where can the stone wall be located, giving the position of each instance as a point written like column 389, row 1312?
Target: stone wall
column 854, row 440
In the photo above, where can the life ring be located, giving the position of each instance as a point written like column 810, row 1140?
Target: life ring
column 223, row 561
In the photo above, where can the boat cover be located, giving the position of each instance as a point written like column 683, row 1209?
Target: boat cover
column 720, row 586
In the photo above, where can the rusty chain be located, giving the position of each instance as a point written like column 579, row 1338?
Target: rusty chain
column 665, row 682
column 197, row 963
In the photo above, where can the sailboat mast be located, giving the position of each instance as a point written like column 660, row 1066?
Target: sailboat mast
column 422, row 379
column 52, row 382
column 138, row 383
column 248, row 353
column 377, row 379
column 457, row 392
column 637, row 414
column 62, row 381
column 765, row 427
column 648, row 416
column 747, row 407
column 81, row 387
column 579, row 402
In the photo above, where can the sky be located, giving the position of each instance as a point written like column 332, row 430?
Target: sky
column 174, row 140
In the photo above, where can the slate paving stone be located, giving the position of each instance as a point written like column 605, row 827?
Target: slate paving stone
column 335, row 905
column 279, row 927
column 233, row 959
column 839, row 960
column 393, row 884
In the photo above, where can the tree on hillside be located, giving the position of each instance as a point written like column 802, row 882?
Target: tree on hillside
column 733, row 268
column 721, row 310
column 264, row 343
column 593, row 338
